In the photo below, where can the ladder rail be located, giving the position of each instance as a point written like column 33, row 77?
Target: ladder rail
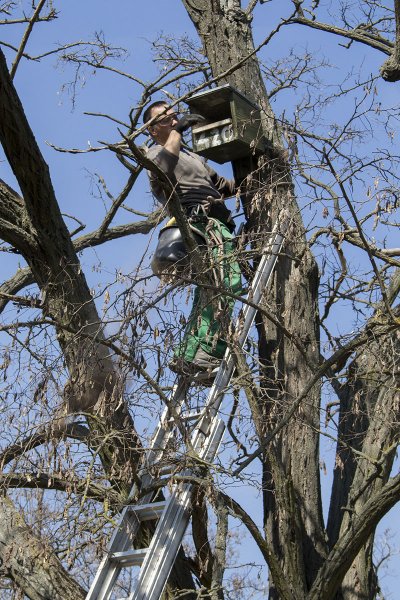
column 171, row 528
column 260, row 281
column 109, row 570
column 205, row 440
column 158, row 564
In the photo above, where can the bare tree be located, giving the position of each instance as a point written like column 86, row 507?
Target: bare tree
column 85, row 374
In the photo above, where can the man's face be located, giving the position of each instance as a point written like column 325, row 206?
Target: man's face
column 162, row 127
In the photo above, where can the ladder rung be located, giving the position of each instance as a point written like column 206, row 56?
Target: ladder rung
column 147, row 512
column 170, row 468
column 129, row 558
column 191, row 415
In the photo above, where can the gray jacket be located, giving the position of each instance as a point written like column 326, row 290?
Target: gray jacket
column 194, row 181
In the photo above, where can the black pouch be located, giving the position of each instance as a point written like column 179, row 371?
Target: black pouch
column 171, row 252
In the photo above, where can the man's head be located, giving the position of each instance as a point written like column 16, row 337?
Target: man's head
column 162, row 126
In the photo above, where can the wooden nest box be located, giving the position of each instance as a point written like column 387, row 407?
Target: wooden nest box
column 233, row 125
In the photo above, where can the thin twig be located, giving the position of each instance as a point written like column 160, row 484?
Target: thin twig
column 361, row 234
column 25, row 38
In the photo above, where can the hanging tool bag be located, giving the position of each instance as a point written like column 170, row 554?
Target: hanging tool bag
column 171, row 252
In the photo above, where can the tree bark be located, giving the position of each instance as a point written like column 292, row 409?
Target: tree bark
column 30, row 562
column 366, row 450
column 38, row 231
column 225, row 30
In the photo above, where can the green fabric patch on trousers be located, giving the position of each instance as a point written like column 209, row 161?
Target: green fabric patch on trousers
column 212, row 311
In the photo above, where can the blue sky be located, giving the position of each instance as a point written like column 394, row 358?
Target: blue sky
column 54, row 119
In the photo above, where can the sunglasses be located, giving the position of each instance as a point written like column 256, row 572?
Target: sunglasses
column 167, row 120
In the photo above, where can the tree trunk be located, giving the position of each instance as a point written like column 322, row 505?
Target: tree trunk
column 225, row 30
column 365, row 452
column 31, row 563
column 34, row 225
column 43, row 239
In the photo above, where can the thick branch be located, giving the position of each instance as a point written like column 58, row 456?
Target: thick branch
column 30, row 562
column 72, row 430
column 349, row 544
column 220, row 552
column 390, row 70
column 11, row 219
column 67, row 484
column 358, row 34
column 98, row 237
column 237, row 511
column 204, row 558
column 21, row 279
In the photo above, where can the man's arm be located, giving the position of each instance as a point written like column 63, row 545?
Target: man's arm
column 167, row 156
column 174, row 142
column 226, row 187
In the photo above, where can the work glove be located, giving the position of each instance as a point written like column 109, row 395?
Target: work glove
column 188, row 121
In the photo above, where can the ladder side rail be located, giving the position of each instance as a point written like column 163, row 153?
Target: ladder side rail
column 108, row 571
column 202, row 438
column 165, row 428
column 120, row 536
column 175, row 519
column 172, row 526
column 163, row 550
column 261, row 279
column 156, row 570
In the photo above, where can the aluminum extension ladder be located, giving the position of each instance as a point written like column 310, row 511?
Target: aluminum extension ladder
column 205, row 434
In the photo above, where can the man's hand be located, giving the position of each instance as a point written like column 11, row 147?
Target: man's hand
column 188, row 121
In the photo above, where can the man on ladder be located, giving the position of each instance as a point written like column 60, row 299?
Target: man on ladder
column 201, row 192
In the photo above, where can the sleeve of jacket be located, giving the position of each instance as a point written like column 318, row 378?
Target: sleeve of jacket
column 164, row 159
column 226, row 187
column 167, row 162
